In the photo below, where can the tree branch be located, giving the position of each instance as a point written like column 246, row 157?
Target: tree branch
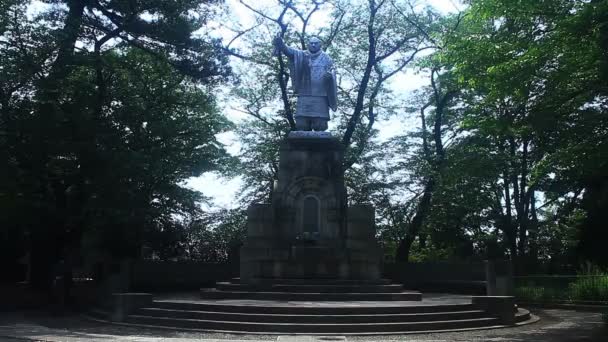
column 371, row 60
column 241, row 33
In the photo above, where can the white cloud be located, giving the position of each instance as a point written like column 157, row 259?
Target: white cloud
column 223, row 191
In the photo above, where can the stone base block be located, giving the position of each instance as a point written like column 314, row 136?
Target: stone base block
column 126, row 303
column 502, row 307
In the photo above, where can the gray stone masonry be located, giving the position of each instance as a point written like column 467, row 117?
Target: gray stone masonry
column 126, row 303
column 502, row 307
column 499, row 278
column 308, row 231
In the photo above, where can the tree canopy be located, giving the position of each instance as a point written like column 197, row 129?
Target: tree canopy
column 108, row 107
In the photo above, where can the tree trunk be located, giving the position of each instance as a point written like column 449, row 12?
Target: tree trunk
column 508, row 227
column 67, row 41
column 403, row 250
column 371, row 61
column 437, row 163
column 43, row 249
column 524, row 203
column 532, row 241
column 284, row 96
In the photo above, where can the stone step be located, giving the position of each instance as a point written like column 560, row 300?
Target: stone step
column 99, row 313
column 314, row 281
column 311, row 296
column 271, row 308
column 318, row 318
column 522, row 315
column 435, row 314
column 311, row 288
column 311, row 328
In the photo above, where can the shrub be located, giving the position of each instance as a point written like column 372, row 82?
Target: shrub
column 593, row 288
column 555, row 288
column 537, row 293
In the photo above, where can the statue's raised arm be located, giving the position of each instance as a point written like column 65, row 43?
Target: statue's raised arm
column 280, row 47
column 313, row 79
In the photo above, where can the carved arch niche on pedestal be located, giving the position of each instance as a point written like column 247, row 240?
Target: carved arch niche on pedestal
column 310, row 217
column 310, row 198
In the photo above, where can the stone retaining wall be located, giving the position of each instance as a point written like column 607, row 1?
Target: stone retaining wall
column 151, row 275
column 465, row 278
column 480, row 278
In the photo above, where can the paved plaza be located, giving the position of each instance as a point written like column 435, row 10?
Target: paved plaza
column 554, row 326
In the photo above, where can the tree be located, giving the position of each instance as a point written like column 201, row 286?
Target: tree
column 440, row 98
column 369, row 44
column 532, row 75
column 106, row 108
column 214, row 236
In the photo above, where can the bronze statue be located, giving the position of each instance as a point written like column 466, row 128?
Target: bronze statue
column 313, row 80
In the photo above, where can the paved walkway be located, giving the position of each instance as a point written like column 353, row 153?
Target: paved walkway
column 555, row 326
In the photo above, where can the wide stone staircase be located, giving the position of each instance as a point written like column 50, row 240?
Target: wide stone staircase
column 291, row 289
column 267, row 318
column 315, row 306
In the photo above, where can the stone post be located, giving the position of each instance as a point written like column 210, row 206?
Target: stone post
column 126, row 274
column 490, row 278
column 499, row 277
column 504, row 278
column 125, row 303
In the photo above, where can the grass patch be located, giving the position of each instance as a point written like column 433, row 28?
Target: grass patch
column 592, row 288
column 571, row 289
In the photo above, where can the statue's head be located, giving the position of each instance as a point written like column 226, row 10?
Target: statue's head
column 314, row 44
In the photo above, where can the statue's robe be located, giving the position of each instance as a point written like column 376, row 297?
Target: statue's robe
column 316, row 93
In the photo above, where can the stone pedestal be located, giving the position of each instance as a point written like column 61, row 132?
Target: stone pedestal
column 308, row 231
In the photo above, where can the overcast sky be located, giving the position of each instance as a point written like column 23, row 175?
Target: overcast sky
column 225, row 191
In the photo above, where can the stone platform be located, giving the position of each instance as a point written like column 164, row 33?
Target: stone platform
column 433, row 313
column 293, row 289
column 311, row 265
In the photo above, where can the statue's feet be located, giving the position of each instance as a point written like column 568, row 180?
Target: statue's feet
column 319, row 125
column 304, row 123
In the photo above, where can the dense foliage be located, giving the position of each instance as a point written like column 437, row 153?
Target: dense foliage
column 106, row 107
column 508, row 154
column 523, row 173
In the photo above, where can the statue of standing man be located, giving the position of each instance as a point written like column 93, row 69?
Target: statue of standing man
column 313, row 80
